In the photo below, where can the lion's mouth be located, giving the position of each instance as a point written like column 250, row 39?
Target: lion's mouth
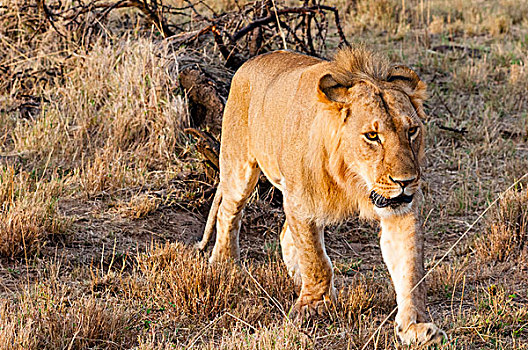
column 381, row 202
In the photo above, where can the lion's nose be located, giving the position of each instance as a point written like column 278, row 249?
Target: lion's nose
column 403, row 182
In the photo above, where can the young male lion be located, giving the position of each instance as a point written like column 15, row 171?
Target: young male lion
column 336, row 137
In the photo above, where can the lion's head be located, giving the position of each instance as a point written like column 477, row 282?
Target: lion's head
column 377, row 136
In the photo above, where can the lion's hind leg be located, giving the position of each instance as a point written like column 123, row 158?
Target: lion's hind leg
column 236, row 182
column 211, row 220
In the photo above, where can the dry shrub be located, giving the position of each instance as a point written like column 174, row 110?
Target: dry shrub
column 446, row 277
column 516, row 10
column 108, row 171
column 25, row 33
column 499, row 25
column 277, row 337
column 28, row 212
column 437, row 25
column 115, row 115
column 382, row 14
column 48, row 317
column 151, row 343
column 506, row 230
column 518, row 75
column 472, row 76
column 517, row 86
column 181, row 280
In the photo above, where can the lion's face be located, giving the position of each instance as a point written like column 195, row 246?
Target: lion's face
column 384, row 136
column 381, row 139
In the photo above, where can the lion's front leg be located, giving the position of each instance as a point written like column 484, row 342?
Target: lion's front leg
column 289, row 256
column 314, row 267
column 402, row 248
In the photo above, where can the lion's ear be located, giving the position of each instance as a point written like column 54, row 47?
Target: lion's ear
column 332, row 90
column 408, row 80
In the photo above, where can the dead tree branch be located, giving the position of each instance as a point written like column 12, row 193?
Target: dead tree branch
column 248, row 30
column 151, row 10
column 293, row 10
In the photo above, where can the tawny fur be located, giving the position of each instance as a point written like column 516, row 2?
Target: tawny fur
column 303, row 122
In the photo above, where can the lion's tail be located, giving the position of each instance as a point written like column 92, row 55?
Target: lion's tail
column 211, row 220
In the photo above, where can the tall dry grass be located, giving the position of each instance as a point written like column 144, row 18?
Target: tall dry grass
column 56, row 316
column 116, row 109
column 182, row 281
column 28, row 212
column 399, row 17
column 506, row 236
column 85, row 118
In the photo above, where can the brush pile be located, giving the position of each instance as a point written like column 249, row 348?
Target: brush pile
column 227, row 38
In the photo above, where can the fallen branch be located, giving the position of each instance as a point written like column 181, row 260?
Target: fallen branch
column 476, row 53
column 445, row 104
column 206, row 103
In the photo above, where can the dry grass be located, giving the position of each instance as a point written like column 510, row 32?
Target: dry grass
column 495, row 18
column 91, row 152
column 507, row 230
column 58, row 317
column 139, row 206
column 28, row 212
column 114, row 112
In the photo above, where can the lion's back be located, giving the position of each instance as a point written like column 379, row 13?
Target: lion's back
column 257, row 111
column 273, row 75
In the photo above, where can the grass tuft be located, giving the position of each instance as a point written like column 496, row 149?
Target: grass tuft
column 28, row 212
column 507, row 230
column 53, row 316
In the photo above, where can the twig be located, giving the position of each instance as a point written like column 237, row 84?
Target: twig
column 445, row 104
column 150, row 12
column 228, row 29
column 294, row 36
column 308, row 33
column 292, row 10
column 202, row 332
column 230, row 56
column 273, row 300
column 279, row 26
column 462, row 131
column 48, row 15
column 241, row 320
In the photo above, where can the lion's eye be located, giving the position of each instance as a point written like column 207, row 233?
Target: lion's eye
column 372, row 136
column 413, row 131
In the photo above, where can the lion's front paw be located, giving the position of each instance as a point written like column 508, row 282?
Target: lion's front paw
column 421, row 334
column 306, row 310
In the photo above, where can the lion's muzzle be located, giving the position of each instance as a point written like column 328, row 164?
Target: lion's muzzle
column 381, row 202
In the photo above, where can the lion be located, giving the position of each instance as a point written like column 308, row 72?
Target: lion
column 335, row 137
